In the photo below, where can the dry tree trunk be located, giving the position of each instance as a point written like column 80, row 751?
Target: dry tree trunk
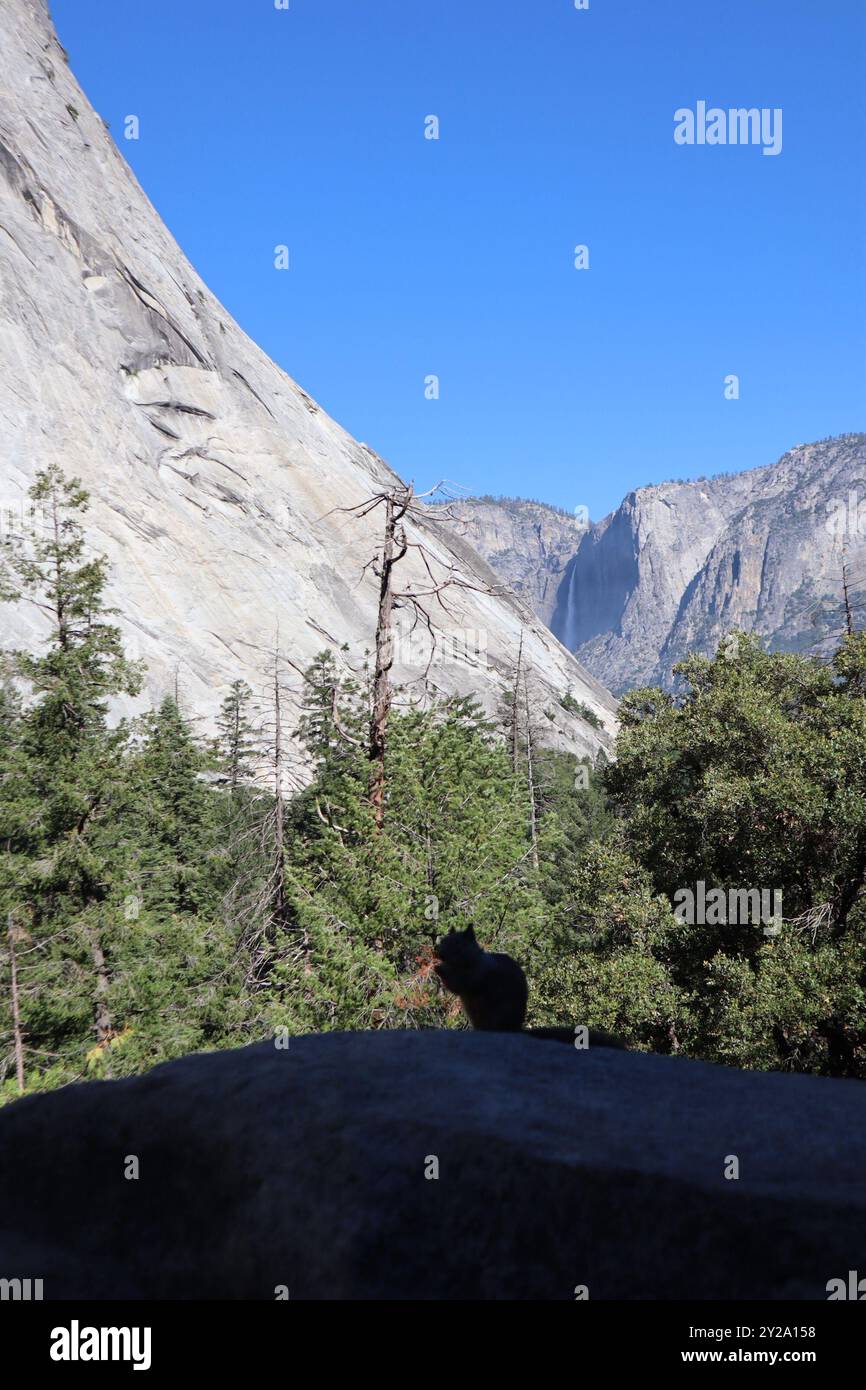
column 398, row 502
column 530, row 772
column 280, row 914
column 381, row 706
column 381, row 682
column 515, row 710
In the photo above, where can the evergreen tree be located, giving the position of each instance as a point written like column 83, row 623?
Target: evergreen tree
column 244, row 809
column 175, row 815
column 60, row 774
column 454, row 849
column 157, row 897
column 753, row 778
column 237, row 746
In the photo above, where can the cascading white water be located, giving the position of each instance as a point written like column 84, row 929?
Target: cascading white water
column 569, row 637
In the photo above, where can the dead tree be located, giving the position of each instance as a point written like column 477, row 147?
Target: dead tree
column 271, row 913
column 278, row 891
column 525, row 735
column 515, row 709
column 393, row 551
column 530, row 775
column 400, row 505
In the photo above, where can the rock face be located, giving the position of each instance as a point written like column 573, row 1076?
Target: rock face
column 776, row 568
column 678, row 565
column 213, row 476
column 305, row 1168
column 624, row 587
column 529, row 544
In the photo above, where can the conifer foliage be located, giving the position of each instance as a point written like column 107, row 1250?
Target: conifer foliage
column 162, row 892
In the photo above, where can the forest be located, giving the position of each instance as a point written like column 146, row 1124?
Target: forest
column 164, row 891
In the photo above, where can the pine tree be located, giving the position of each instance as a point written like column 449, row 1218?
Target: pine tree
column 237, row 746
column 85, row 663
column 453, row 851
column 175, row 815
column 60, row 772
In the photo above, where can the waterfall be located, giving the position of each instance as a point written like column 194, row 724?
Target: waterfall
column 564, row 620
column 571, row 609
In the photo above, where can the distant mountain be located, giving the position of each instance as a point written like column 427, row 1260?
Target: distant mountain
column 216, row 482
column 678, row 565
column 529, row 544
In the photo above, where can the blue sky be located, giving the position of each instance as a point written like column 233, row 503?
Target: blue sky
column 455, row 257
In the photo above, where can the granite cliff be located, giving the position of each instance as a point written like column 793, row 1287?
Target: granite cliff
column 678, row 565
column 213, row 476
column 529, row 544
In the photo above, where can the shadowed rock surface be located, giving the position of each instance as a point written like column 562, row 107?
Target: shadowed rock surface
column 305, row 1167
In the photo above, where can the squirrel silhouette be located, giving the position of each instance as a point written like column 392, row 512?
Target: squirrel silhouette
column 493, row 991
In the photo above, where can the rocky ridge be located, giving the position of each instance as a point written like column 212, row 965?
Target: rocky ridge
column 678, row 565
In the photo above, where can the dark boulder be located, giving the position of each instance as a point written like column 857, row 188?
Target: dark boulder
column 305, row 1168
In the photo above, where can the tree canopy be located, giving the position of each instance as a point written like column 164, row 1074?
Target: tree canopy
column 163, row 892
